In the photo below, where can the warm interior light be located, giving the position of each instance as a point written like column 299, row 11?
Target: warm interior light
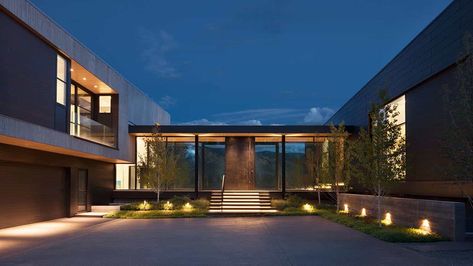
column 345, row 208
column 168, row 206
column 425, row 227
column 308, row 208
column 363, row 212
column 387, row 219
column 187, row 207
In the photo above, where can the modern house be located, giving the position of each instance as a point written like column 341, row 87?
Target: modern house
column 64, row 116
column 73, row 130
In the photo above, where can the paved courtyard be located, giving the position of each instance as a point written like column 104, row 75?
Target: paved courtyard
column 305, row 240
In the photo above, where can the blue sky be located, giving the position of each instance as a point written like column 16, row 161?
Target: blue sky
column 246, row 62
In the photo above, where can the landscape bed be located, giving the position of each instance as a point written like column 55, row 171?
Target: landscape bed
column 183, row 207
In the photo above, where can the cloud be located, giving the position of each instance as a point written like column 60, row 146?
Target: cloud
column 204, row 121
column 252, row 122
column 264, row 114
column 267, row 116
column 167, row 101
column 156, row 51
column 318, row 115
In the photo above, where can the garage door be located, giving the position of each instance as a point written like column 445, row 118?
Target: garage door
column 30, row 193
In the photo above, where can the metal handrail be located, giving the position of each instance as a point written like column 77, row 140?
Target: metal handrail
column 221, row 195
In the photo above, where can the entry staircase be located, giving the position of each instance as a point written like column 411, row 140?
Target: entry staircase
column 240, row 201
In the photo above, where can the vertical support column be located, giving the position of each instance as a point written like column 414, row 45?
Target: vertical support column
column 196, row 167
column 283, row 167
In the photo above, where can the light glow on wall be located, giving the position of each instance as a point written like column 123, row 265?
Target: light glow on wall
column 387, row 219
column 363, row 212
column 345, row 208
column 425, row 227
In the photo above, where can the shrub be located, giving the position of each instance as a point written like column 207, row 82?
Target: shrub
column 294, row 201
column 279, row 204
column 201, row 204
column 179, row 201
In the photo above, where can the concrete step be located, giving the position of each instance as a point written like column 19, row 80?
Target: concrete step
column 249, row 207
column 105, row 208
column 242, row 211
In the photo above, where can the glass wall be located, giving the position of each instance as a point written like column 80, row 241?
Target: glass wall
column 84, row 122
column 124, row 176
column 212, row 162
column 301, row 155
column 184, row 149
column 268, row 163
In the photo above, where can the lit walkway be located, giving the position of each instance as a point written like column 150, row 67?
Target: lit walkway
column 306, row 240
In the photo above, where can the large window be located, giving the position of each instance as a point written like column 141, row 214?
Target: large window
column 268, row 163
column 400, row 104
column 300, row 160
column 184, row 147
column 85, row 121
column 61, row 80
column 105, row 104
column 212, row 162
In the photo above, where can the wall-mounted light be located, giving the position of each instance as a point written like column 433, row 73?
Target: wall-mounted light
column 345, row 208
column 95, row 86
column 363, row 212
column 387, row 219
column 72, row 69
column 84, row 79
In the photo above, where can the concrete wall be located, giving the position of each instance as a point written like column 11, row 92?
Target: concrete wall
column 134, row 106
column 446, row 217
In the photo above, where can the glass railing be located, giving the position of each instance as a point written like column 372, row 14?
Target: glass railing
column 94, row 131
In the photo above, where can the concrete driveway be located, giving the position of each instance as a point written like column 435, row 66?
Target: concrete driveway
column 308, row 240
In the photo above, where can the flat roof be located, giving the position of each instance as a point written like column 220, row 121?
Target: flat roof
column 234, row 129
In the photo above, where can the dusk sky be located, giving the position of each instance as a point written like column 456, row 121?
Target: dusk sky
column 246, row 62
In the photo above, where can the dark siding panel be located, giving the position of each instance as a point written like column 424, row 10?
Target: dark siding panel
column 31, row 193
column 425, row 127
column 101, row 174
column 27, row 75
column 437, row 47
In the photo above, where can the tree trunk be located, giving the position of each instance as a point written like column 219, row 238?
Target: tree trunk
column 337, row 194
column 378, row 196
column 158, row 190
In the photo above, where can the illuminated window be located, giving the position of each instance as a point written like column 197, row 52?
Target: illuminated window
column 61, row 78
column 105, row 103
column 400, row 105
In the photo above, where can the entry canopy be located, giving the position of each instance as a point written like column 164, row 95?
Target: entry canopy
column 236, row 130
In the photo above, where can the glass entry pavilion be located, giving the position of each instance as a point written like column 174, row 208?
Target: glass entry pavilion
column 269, row 158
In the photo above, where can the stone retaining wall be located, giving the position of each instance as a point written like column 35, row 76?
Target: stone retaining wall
column 446, row 217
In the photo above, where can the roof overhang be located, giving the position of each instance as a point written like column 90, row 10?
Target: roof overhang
column 235, row 130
